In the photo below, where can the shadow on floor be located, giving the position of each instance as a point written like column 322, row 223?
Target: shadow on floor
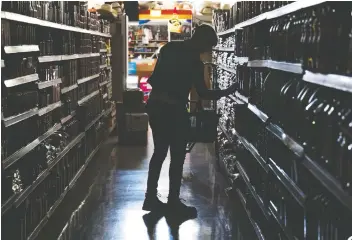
column 116, row 182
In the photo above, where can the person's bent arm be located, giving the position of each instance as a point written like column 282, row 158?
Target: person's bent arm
column 208, row 94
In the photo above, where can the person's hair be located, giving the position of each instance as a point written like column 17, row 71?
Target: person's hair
column 206, row 35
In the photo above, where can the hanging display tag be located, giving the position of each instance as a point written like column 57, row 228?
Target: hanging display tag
column 175, row 25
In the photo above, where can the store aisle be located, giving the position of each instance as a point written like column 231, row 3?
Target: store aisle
column 117, row 193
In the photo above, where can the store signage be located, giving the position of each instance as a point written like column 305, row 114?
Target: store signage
column 155, row 13
column 132, row 68
column 175, row 25
column 164, row 14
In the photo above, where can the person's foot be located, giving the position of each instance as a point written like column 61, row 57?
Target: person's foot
column 152, row 203
column 176, row 207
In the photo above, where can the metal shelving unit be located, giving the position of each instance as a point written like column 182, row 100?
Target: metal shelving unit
column 17, row 199
column 290, row 185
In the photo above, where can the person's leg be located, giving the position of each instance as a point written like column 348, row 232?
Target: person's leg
column 178, row 154
column 178, row 146
column 158, row 125
column 161, row 147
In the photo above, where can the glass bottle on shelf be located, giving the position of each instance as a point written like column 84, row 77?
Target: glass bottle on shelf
column 304, row 38
column 349, row 64
column 311, row 47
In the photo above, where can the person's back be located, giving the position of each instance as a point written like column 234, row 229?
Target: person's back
column 176, row 70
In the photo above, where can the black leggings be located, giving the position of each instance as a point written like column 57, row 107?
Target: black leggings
column 170, row 125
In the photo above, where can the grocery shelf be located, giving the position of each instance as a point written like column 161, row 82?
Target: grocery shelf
column 8, row 204
column 49, row 108
column 21, row 80
column 95, row 120
column 23, row 151
column 278, row 132
column 340, row 82
column 254, row 225
column 290, row 8
column 103, row 83
column 328, row 181
column 231, row 30
column 86, row 79
column 257, row 198
column 86, row 98
column 68, row 89
column 235, row 99
column 240, row 96
column 31, row 48
column 252, row 21
column 42, row 85
column 56, row 58
column 225, row 132
column 71, row 185
column 24, row 194
column 40, row 226
column 224, row 49
column 248, row 146
column 303, row 172
column 20, row 117
column 253, row 151
column 21, row 49
column 262, row 116
column 226, row 68
column 68, row 118
column 290, row 185
column 282, row 66
column 35, row 21
column 241, row 60
column 144, row 52
column 284, row 230
column 289, row 142
column 153, row 40
column 69, row 146
column 136, row 47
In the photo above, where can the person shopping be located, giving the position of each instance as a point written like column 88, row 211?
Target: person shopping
column 177, row 70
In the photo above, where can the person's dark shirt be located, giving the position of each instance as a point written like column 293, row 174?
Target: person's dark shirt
column 177, row 70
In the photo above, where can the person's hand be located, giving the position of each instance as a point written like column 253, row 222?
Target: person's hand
column 232, row 89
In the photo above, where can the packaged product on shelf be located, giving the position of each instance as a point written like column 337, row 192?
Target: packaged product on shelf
column 295, row 125
column 50, row 101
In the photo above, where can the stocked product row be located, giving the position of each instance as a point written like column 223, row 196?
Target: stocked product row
column 76, row 225
column 70, row 13
column 56, row 107
column 309, row 37
column 242, row 11
column 285, row 137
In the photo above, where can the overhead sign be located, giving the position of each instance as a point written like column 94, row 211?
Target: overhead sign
column 164, row 14
column 175, row 24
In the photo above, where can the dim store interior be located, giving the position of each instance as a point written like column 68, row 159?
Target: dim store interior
column 75, row 141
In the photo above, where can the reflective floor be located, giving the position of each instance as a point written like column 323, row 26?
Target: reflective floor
column 113, row 190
